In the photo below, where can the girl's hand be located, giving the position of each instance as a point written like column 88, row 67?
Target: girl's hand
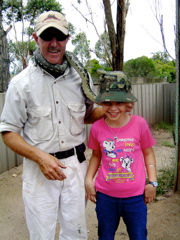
column 150, row 193
column 90, row 191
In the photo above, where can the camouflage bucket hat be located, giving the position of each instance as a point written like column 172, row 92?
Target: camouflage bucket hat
column 115, row 86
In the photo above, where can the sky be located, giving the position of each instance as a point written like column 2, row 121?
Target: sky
column 143, row 37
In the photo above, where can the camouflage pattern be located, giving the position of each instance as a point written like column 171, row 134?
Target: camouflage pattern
column 115, row 86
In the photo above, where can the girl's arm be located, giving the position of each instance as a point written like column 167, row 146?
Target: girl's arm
column 150, row 163
column 94, row 164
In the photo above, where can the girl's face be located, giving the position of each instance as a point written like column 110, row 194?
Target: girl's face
column 114, row 110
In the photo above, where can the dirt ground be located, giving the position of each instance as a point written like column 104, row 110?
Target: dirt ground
column 163, row 214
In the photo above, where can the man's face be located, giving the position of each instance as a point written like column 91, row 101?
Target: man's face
column 52, row 45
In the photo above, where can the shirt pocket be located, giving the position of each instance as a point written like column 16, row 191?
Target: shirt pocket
column 77, row 113
column 40, row 125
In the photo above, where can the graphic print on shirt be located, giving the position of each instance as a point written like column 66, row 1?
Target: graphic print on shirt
column 109, row 146
column 119, row 159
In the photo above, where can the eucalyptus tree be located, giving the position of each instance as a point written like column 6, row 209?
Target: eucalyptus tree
column 100, row 52
column 116, row 32
column 82, row 48
column 21, row 15
column 4, row 56
column 156, row 7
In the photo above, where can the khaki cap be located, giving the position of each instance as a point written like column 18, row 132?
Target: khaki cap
column 51, row 19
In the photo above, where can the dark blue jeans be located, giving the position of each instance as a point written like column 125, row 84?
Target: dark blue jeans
column 133, row 210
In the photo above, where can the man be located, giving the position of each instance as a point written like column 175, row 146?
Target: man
column 43, row 120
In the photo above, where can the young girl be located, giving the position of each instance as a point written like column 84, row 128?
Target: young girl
column 122, row 151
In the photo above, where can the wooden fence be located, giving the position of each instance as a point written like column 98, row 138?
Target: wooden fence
column 156, row 103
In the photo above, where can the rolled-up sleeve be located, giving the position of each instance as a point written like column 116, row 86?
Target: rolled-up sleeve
column 14, row 113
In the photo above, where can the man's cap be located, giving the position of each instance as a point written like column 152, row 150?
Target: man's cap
column 51, row 19
column 115, row 86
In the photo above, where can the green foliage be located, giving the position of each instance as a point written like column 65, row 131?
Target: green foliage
column 12, row 10
column 166, row 179
column 166, row 69
column 100, row 46
column 165, row 126
column 161, row 56
column 130, row 68
column 19, row 53
column 93, row 66
column 72, row 29
column 26, row 13
column 157, row 67
column 36, row 7
column 166, row 175
column 140, row 67
column 14, row 48
column 167, row 144
column 82, row 48
column 17, row 10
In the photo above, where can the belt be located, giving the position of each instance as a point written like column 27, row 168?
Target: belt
column 65, row 154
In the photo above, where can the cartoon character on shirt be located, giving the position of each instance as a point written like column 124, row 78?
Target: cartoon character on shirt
column 118, row 174
column 109, row 146
column 126, row 162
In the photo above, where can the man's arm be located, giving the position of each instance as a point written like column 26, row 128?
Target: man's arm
column 49, row 165
column 95, row 115
column 129, row 106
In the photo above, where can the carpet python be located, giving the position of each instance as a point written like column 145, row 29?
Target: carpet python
column 75, row 63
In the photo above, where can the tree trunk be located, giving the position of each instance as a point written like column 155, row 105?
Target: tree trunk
column 4, row 56
column 117, row 37
column 121, row 23
column 111, row 29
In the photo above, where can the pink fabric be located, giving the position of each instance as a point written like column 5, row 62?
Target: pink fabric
column 122, row 172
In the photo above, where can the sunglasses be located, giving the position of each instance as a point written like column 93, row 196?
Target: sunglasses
column 48, row 36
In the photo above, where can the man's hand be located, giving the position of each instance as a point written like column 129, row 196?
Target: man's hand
column 129, row 106
column 51, row 167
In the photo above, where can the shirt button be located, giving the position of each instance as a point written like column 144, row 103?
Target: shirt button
column 62, row 141
column 59, row 122
column 57, row 102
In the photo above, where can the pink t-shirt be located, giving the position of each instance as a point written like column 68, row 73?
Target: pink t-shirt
column 122, row 171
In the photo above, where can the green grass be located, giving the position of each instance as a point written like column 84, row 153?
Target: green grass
column 165, row 126
column 167, row 144
column 166, row 178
